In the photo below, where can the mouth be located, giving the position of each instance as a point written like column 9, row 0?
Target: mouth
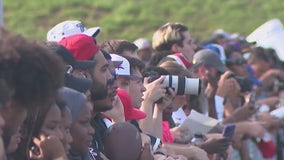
column 18, row 140
column 67, row 148
column 89, row 143
column 112, row 95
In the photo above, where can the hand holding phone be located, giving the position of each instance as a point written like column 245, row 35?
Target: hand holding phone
column 228, row 131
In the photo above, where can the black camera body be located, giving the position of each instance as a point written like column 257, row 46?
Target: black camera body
column 152, row 76
column 245, row 83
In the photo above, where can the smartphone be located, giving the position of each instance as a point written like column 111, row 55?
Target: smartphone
column 252, row 97
column 155, row 142
column 35, row 150
column 228, row 131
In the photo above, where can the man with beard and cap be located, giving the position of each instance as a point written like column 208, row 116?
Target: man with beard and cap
column 104, row 105
column 83, row 47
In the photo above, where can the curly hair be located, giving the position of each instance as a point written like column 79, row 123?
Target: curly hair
column 32, row 73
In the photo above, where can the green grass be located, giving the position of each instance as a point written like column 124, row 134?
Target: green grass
column 130, row 19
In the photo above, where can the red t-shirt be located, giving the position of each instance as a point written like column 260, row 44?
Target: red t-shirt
column 167, row 135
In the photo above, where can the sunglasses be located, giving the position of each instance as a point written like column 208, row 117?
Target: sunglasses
column 239, row 61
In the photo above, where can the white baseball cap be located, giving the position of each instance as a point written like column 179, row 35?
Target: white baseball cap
column 123, row 66
column 68, row 28
column 142, row 43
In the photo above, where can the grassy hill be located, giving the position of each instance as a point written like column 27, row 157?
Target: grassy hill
column 130, row 19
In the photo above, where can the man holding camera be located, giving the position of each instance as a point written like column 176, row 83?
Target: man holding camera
column 215, row 77
column 222, row 89
column 132, row 82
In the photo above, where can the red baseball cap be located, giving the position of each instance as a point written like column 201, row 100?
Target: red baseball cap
column 130, row 112
column 82, row 47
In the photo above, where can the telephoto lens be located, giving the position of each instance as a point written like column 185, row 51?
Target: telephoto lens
column 183, row 85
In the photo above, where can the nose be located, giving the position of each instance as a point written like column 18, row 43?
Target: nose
column 91, row 130
column 143, row 89
column 112, row 82
column 69, row 138
column 194, row 46
column 115, row 85
column 2, row 123
column 59, row 134
column 108, row 75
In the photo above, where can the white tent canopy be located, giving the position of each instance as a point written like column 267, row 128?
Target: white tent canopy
column 269, row 35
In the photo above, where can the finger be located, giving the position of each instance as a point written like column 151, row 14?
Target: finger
column 163, row 90
column 146, row 80
column 159, row 80
column 146, row 147
column 249, row 106
column 227, row 74
column 183, row 128
column 34, row 156
column 172, row 92
column 42, row 137
column 224, row 140
column 36, row 141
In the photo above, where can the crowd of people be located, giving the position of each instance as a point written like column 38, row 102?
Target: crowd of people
column 75, row 98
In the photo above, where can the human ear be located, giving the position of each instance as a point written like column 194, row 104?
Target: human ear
column 175, row 48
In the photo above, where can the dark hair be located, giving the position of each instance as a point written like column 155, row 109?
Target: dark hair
column 106, row 54
column 4, row 92
column 29, row 129
column 158, row 57
column 62, row 105
column 258, row 53
column 273, row 57
column 158, row 70
column 229, row 49
column 175, row 69
column 118, row 46
column 30, row 70
column 135, row 64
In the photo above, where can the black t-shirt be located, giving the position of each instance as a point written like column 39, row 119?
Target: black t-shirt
column 100, row 128
column 135, row 123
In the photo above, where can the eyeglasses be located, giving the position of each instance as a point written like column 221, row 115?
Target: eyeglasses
column 238, row 61
column 136, row 78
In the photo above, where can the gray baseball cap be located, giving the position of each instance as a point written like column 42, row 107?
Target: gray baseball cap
column 209, row 58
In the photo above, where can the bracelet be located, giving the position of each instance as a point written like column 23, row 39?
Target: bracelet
column 159, row 152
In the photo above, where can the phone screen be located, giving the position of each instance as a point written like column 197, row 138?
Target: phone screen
column 228, row 131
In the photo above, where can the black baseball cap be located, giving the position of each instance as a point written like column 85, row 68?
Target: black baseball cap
column 79, row 84
column 209, row 58
column 69, row 59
